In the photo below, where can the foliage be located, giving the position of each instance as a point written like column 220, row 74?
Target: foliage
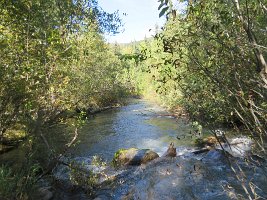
column 207, row 59
column 17, row 184
column 210, row 60
column 82, row 178
column 41, row 57
column 98, row 161
column 54, row 60
column 116, row 157
column 95, row 70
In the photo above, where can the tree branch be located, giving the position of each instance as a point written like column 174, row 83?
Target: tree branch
column 253, row 41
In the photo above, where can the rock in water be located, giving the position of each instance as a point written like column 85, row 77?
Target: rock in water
column 45, row 193
column 187, row 178
column 171, row 152
column 133, row 156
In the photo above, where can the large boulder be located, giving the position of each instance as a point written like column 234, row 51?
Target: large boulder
column 133, row 156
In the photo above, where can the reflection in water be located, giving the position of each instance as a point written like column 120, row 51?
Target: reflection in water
column 140, row 124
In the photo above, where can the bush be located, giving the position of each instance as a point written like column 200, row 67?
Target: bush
column 17, row 184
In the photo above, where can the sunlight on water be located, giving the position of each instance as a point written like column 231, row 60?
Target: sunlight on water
column 140, row 125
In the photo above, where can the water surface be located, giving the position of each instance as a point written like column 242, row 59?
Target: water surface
column 141, row 124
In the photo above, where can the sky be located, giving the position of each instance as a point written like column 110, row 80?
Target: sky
column 142, row 15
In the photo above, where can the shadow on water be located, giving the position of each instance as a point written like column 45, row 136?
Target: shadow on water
column 140, row 124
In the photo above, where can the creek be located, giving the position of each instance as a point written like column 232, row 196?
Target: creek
column 145, row 125
column 140, row 124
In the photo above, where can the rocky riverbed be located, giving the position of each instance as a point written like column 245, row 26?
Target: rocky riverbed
column 211, row 175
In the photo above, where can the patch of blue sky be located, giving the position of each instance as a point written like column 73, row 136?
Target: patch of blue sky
column 140, row 21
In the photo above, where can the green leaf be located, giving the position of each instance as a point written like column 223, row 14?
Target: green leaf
column 160, row 6
column 163, row 11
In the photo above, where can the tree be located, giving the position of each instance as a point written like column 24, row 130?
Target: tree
column 37, row 39
column 218, row 49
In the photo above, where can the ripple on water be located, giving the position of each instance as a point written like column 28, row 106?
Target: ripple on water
column 140, row 125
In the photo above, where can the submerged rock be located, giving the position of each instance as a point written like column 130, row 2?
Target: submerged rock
column 217, row 155
column 133, row 156
column 211, row 175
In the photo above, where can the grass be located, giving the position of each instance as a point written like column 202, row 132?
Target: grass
column 17, row 184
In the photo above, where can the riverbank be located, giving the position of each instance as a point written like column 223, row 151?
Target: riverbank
column 16, row 135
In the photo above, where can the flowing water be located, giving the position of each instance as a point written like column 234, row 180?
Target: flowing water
column 140, row 124
column 144, row 125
